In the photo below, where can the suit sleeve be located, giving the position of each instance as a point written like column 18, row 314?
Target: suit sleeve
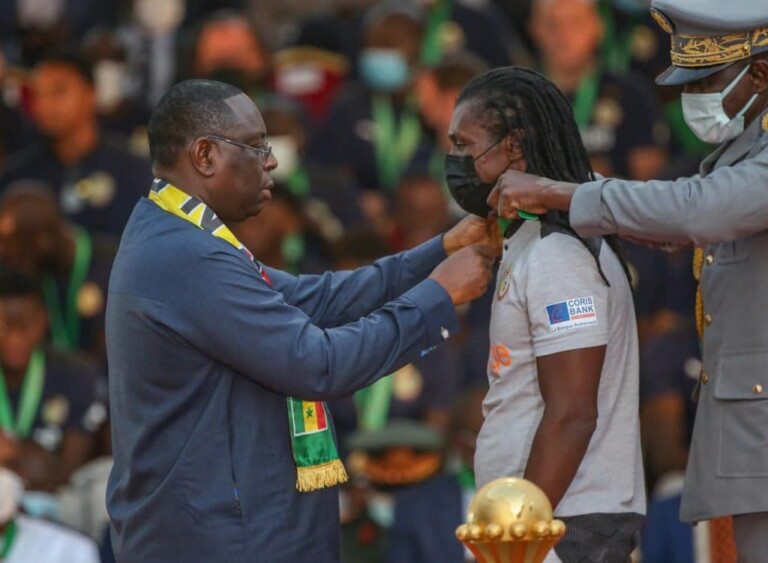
column 240, row 321
column 335, row 298
column 727, row 204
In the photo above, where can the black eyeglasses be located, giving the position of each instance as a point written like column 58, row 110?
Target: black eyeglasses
column 264, row 151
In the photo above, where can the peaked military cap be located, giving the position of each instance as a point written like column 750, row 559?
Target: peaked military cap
column 710, row 35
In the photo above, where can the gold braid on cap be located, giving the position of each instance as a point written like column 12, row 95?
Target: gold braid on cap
column 696, row 51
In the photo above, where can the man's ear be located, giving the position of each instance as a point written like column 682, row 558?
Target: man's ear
column 515, row 152
column 760, row 74
column 204, row 156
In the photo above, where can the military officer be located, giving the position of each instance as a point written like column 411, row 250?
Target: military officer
column 720, row 56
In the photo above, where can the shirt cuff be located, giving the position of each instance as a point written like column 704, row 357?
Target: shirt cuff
column 586, row 213
column 436, row 307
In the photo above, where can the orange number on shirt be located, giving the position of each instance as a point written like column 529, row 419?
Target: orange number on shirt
column 500, row 356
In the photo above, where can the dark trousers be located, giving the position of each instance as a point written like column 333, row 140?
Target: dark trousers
column 599, row 538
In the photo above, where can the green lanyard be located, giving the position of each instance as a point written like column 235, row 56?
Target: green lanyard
column 431, row 45
column 8, row 537
column 616, row 49
column 585, row 99
column 298, row 183
column 394, row 143
column 373, row 403
column 29, row 402
column 65, row 323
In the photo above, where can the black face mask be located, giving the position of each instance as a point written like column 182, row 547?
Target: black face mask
column 467, row 189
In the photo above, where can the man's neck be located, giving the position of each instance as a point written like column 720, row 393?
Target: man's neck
column 568, row 80
column 72, row 148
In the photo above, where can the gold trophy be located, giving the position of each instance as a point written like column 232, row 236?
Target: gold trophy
column 510, row 521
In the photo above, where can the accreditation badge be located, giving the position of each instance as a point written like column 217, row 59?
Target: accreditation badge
column 90, row 300
column 407, row 383
column 55, row 411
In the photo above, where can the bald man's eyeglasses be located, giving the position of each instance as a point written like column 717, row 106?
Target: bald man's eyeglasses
column 264, row 151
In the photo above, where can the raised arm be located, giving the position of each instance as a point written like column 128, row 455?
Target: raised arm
column 729, row 203
column 276, row 344
column 336, row 298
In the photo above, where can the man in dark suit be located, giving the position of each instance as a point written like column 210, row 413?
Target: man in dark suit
column 219, row 367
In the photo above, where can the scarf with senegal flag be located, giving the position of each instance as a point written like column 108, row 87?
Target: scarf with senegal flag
column 314, row 446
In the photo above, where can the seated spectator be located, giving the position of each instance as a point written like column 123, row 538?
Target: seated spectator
column 481, row 28
column 227, row 47
column 72, row 265
column 327, row 193
column 96, row 180
column 31, row 540
column 120, row 108
column 312, row 68
column 374, row 128
column 49, row 405
column 616, row 114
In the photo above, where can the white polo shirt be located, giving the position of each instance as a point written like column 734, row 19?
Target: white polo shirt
column 550, row 298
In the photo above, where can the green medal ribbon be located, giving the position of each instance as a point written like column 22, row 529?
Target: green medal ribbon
column 431, row 45
column 394, row 143
column 29, row 401
column 65, row 323
column 312, row 440
column 8, row 537
column 373, row 404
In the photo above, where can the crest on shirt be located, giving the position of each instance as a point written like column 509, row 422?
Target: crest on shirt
column 579, row 312
column 90, row 300
column 506, row 281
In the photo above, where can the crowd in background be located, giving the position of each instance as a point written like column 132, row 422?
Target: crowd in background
column 357, row 97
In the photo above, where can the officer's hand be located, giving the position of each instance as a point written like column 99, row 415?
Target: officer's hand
column 466, row 274
column 517, row 190
column 473, row 230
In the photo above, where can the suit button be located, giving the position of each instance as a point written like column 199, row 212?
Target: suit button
column 707, row 319
column 757, row 389
column 709, row 259
column 704, row 377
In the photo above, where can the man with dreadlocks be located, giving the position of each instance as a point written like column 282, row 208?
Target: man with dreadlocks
column 563, row 338
column 720, row 58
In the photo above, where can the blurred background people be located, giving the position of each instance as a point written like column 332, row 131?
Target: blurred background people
column 97, row 180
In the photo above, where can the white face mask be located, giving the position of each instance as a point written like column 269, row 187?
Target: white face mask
column 286, row 151
column 706, row 117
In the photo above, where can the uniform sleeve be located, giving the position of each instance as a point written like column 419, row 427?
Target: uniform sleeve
column 565, row 296
column 727, row 204
column 239, row 320
column 336, row 298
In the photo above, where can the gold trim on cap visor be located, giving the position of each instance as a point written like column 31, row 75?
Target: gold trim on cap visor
column 696, row 51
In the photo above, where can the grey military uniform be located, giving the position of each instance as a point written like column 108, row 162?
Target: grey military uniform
column 724, row 208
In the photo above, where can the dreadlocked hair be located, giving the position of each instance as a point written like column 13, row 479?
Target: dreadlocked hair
column 524, row 103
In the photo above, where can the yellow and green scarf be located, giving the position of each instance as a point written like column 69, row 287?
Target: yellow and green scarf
column 314, row 446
